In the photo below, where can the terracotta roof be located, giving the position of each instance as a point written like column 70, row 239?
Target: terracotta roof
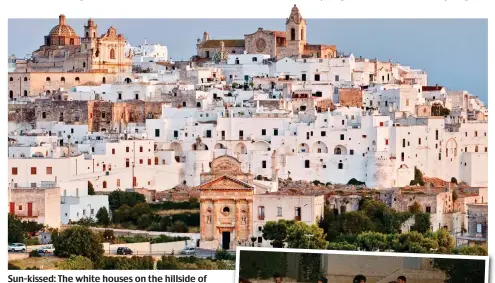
column 215, row 43
column 318, row 46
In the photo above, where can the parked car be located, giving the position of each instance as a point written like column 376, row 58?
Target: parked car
column 46, row 249
column 17, row 247
column 188, row 251
column 124, row 251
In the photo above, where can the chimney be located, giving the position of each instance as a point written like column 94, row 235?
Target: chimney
column 61, row 20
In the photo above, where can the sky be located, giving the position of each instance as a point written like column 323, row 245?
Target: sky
column 454, row 52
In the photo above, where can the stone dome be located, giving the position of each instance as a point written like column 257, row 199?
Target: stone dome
column 62, row 29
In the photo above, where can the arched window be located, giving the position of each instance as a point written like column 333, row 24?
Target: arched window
column 11, row 95
column 77, row 79
column 71, row 41
column 104, row 184
column 337, row 151
column 118, row 182
column 112, row 54
column 341, row 165
column 48, row 79
column 25, row 79
column 25, row 93
column 104, row 80
column 62, row 79
column 11, row 79
column 84, row 64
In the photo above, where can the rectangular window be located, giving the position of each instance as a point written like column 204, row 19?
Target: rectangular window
column 436, row 134
column 317, row 77
column 306, row 163
column 351, row 152
column 337, row 78
column 113, row 150
column 261, row 212
column 33, row 170
column 275, row 132
column 279, row 211
column 342, row 137
column 297, row 213
column 381, row 124
column 208, row 133
column 303, row 77
column 419, row 141
column 478, row 228
column 126, row 149
column 263, row 164
column 14, row 170
column 157, row 133
column 403, row 142
column 386, row 141
column 140, row 149
column 48, row 170
column 263, row 132
column 428, row 209
column 241, row 135
column 323, row 133
column 127, row 162
column 176, row 134
column 149, row 161
column 140, row 161
column 402, row 156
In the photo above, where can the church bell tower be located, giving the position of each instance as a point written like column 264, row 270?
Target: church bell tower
column 295, row 33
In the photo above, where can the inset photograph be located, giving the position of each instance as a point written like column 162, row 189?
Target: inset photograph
column 259, row 265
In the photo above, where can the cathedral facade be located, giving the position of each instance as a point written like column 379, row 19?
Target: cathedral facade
column 67, row 59
column 277, row 44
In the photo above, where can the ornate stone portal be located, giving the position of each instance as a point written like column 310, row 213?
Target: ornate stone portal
column 226, row 196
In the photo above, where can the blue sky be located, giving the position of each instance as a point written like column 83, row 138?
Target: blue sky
column 454, row 52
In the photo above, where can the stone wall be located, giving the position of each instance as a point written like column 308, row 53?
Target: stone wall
column 100, row 115
column 352, row 97
column 69, row 112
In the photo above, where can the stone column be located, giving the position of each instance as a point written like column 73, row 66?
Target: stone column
column 237, row 218
column 250, row 218
column 214, row 219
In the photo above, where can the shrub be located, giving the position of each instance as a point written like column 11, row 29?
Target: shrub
column 102, row 216
column 355, row 182
column 77, row 263
column 34, row 253
column 13, row 267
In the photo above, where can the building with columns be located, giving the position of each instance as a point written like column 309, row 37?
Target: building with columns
column 226, row 196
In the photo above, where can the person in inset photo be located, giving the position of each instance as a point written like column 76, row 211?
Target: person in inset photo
column 323, row 280
column 401, row 279
column 277, row 278
column 359, row 279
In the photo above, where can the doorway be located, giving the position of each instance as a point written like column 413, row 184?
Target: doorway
column 226, row 240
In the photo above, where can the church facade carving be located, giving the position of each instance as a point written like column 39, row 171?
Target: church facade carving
column 226, row 204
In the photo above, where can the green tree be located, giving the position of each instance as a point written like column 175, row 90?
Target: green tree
column 341, row 246
column 78, row 240
column 453, row 180
column 180, row 227
column 304, row 236
column 355, row 222
column 444, row 240
column 263, row 265
column 454, row 195
column 102, row 216
column 123, row 214
column 418, row 178
column 77, row 263
column 372, row 241
column 118, row 198
column 461, row 270
column 32, row 227
column 471, row 250
column 16, row 232
column 91, row 190
column 355, row 182
column 144, row 221
column 276, row 232
column 108, row 235
column 413, row 242
column 422, row 223
column 139, row 210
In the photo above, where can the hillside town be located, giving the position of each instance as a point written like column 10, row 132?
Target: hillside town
column 248, row 131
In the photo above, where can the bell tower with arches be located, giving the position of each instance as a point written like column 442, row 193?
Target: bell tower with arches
column 295, row 29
